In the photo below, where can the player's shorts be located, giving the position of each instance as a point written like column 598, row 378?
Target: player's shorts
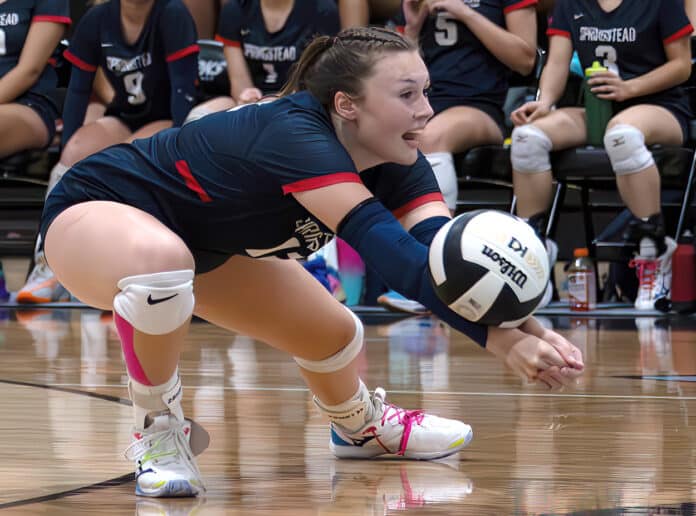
column 44, row 106
column 138, row 119
column 494, row 111
column 69, row 192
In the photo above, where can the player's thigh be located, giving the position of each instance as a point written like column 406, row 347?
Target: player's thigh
column 565, row 127
column 658, row 124
column 275, row 301
column 149, row 129
column 92, row 245
column 93, row 137
column 459, row 128
column 20, row 128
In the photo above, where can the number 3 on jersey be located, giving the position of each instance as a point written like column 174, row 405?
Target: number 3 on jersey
column 608, row 55
column 133, row 82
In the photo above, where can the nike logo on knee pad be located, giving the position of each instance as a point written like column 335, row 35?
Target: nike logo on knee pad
column 151, row 301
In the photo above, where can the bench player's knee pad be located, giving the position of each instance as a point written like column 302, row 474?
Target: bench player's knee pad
column 156, row 303
column 442, row 164
column 626, row 148
column 341, row 359
column 530, row 148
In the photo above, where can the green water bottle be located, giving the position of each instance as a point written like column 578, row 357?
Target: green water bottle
column 598, row 111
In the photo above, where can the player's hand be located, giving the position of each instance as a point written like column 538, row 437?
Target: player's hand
column 609, row 86
column 415, row 13
column 249, row 95
column 456, row 8
column 530, row 111
column 535, row 359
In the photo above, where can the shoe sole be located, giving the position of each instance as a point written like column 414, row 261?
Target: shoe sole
column 172, row 489
column 356, row 452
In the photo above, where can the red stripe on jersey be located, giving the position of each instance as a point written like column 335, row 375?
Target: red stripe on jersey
column 400, row 29
column 519, row 5
column 228, row 42
column 679, row 34
column 418, row 201
column 52, row 18
column 313, row 183
column 192, row 49
column 79, row 62
column 558, row 32
column 183, row 169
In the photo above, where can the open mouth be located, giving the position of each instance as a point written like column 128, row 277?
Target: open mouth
column 412, row 136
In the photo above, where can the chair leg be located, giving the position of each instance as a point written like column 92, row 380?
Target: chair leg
column 555, row 211
column 686, row 199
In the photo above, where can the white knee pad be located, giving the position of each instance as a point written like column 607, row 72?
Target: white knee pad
column 529, row 151
column 446, row 175
column 342, row 358
column 197, row 113
column 156, row 303
column 626, row 148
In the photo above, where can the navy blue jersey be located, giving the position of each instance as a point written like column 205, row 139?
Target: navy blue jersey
column 269, row 56
column 460, row 66
column 630, row 40
column 16, row 16
column 223, row 183
column 138, row 73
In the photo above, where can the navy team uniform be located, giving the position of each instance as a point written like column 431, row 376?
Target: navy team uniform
column 629, row 40
column 16, row 16
column 269, row 56
column 153, row 79
column 463, row 72
column 222, row 183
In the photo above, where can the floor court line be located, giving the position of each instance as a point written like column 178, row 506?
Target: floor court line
column 410, row 392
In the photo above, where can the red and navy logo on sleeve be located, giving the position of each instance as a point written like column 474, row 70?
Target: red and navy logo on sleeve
column 269, row 55
column 136, row 70
column 460, row 66
column 16, row 16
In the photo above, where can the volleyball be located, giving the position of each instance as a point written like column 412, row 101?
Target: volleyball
column 489, row 267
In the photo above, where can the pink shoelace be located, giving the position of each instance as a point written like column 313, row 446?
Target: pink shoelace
column 646, row 271
column 405, row 418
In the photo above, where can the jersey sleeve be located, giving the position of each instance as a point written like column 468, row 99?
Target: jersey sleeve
column 56, row 11
column 85, row 48
column 673, row 22
column 559, row 24
column 402, row 188
column 230, row 24
column 302, row 153
column 513, row 5
column 328, row 21
column 178, row 31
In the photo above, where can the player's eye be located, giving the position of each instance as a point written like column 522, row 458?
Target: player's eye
column 407, row 94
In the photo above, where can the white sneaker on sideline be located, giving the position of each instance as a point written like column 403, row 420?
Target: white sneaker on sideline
column 654, row 275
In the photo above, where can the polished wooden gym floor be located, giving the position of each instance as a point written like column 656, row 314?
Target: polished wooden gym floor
column 622, row 442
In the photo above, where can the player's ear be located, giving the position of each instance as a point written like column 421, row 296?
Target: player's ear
column 345, row 106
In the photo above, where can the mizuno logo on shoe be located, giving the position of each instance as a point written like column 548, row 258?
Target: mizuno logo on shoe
column 151, row 301
column 363, row 441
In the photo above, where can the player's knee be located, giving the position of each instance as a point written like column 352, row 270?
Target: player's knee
column 446, row 176
column 342, row 358
column 74, row 151
column 156, row 303
column 161, row 251
column 530, row 148
column 625, row 145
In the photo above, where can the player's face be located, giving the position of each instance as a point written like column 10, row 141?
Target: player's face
column 394, row 108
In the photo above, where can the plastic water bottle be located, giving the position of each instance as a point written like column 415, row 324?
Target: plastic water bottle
column 582, row 282
column 684, row 275
column 598, row 111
